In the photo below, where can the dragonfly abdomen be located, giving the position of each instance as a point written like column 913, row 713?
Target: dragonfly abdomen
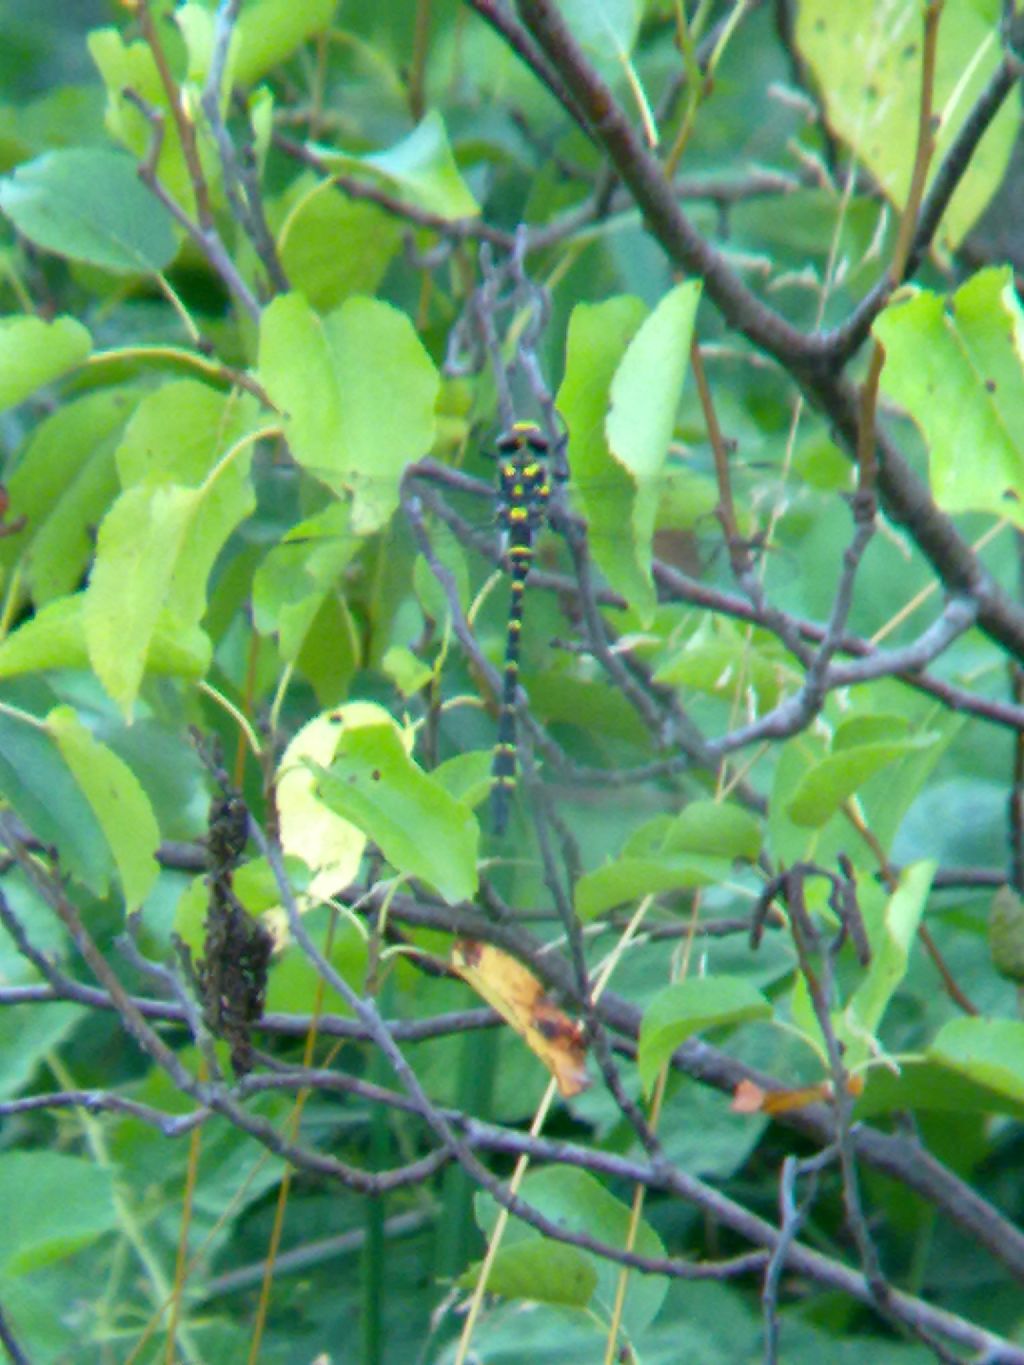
column 523, row 493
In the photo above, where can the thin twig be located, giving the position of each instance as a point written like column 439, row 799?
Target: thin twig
column 793, row 1217
column 9, row 1342
column 184, row 126
column 821, row 990
column 206, row 238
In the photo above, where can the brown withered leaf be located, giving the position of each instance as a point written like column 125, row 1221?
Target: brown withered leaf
column 520, row 999
column 750, row 1098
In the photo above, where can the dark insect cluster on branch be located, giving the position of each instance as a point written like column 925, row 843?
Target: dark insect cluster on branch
column 232, row 975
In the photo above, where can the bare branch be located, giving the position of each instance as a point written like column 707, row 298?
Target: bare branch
column 645, row 177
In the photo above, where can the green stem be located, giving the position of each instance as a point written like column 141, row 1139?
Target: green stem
column 160, row 1283
column 458, row 1238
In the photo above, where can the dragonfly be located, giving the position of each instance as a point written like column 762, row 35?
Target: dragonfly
column 524, row 491
column 520, row 505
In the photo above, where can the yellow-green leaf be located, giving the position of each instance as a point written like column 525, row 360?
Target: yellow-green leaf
column 136, row 557
column 117, row 799
column 956, row 367
column 866, row 55
column 34, row 353
column 422, row 830
column 356, row 390
column 688, row 1007
column 421, row 168
column 826, row 785
column 330, row 846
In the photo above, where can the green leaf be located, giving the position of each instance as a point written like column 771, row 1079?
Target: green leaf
column 27, row 1034
column 35, row 779
column 117, row 800
column 539, row 1271
column 628, row 879
column 190, row 915
column 989, row 1052
column 620, row 395
column 508, row 1334
column 32, row 1306
column 887, row 800
column 71, row 1205
column 891, row 943
column 1006, row 933
column 88, row 204
column 931, row 1086
column 158, row 543
column 866, row 55
column 332, row 248
column 189, row 434
column 269, row 31
column 196, row 26
column 790, row 841
column 131, row 66
column 688, row 1007
column 718, row 829
column 958, row 373
column 331, row 847
column 356, row 391
column 871, row 728
column 63, row 483
column 703, row 1136
column 421, row 830
column 421, row 168
column 34, row 353
column 297, row 578
column 55, row 638
column 137, row 554
column 409, row 673
column 606, row 30
column 827, row 784
column 580, row 1203
column 597, row 340
column 467, row 776
column 294, row 981
column 180, row 433
column 647, row 386
column 645, row 394
column 719, row 659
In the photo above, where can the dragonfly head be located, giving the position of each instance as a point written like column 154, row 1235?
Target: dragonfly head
column 522, row 436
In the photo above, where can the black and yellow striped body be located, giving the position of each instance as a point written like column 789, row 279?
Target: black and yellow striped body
column 523, row 493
